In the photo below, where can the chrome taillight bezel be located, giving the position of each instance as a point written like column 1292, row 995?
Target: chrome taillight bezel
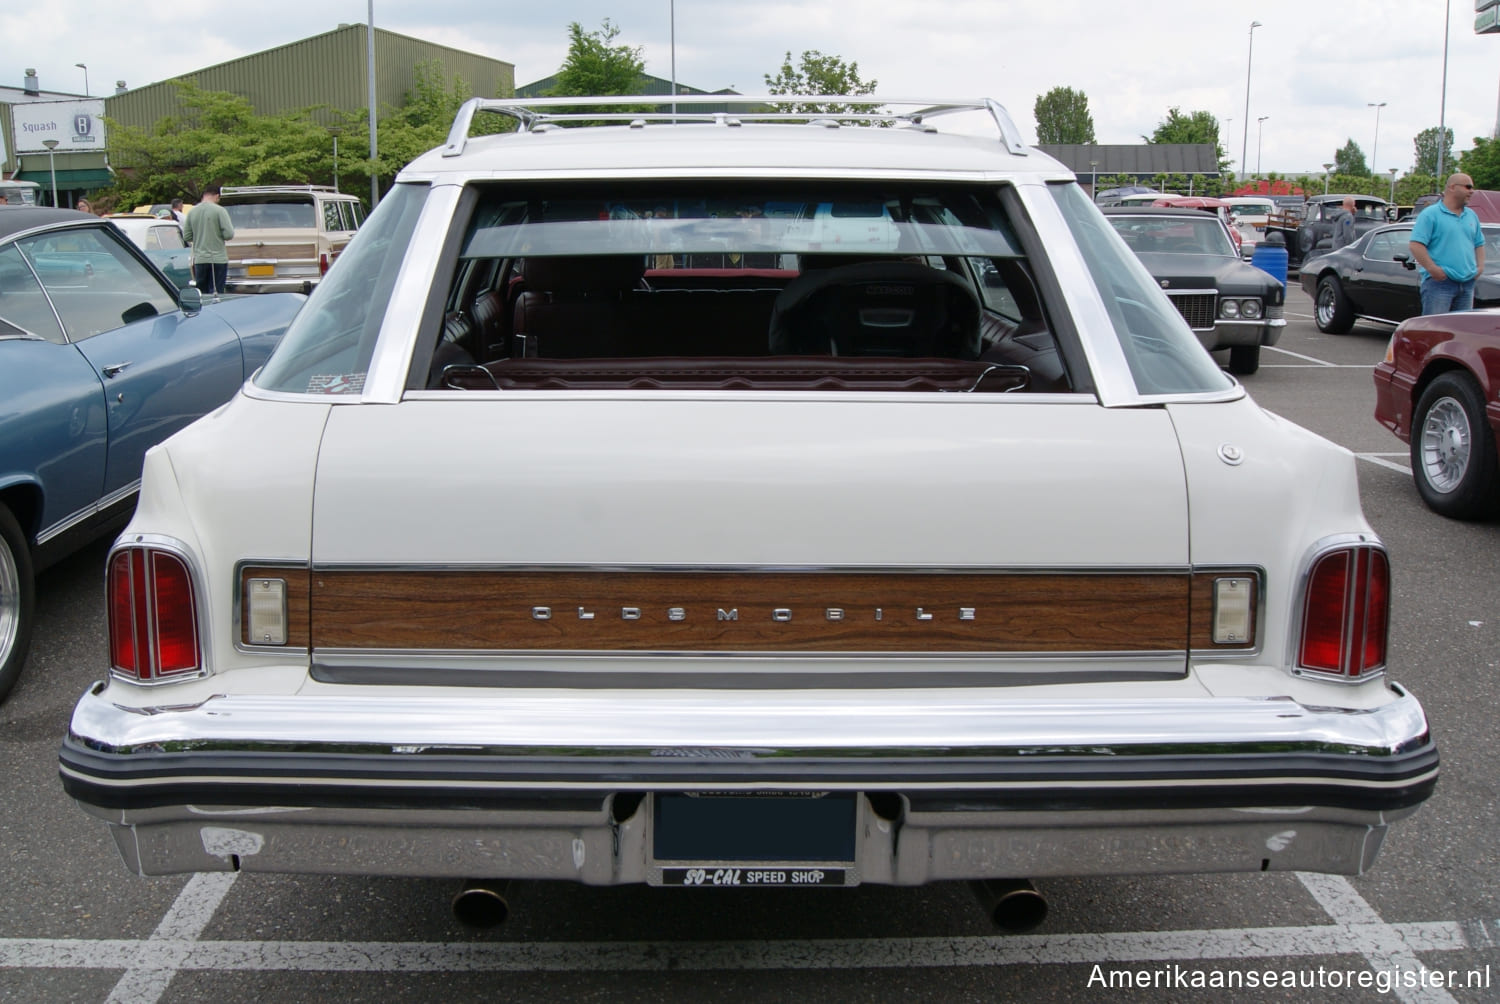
column 1354, row 619
column 150, row 546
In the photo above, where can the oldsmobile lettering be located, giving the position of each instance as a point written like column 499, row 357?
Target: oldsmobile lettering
column 781, row 615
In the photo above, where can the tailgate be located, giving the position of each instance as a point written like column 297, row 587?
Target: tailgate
column 802, row 529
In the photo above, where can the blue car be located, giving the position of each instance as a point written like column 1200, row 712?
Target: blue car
column 101, row 358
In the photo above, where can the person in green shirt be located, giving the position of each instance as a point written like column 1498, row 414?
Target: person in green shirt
column 206, row 228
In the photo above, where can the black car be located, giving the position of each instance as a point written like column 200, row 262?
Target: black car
column 1311, row 232
column 1375, row 279
column 1228, row 303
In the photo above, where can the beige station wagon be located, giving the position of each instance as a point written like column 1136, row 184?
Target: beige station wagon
column 286, row 236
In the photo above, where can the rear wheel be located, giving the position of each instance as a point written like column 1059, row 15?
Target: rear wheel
column 1332, row 311
column 17, row 600
column 1244, row 359
column 1453, row 449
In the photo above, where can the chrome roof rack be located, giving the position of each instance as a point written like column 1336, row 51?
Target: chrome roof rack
column 539, row 114
column 257, row 189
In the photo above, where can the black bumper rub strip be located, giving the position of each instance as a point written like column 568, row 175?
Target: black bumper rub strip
column 143, row 780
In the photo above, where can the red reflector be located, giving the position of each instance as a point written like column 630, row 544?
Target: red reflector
column 323, row 263
column 122, row 647
column 176, row 617
column 1345, row 615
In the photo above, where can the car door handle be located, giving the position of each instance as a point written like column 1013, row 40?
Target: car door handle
column 113, row 369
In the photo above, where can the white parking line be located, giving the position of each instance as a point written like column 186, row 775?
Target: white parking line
column 1379, row 460
column 1381, row 946
column 1376, row 941
column 1385, row 946
column 157, row 959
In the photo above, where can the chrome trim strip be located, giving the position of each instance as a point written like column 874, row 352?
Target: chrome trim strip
column 588, row 725
column 88, row 511
column 482, row 658
column 386, row 378
column 768, row 569
column 1101, row 345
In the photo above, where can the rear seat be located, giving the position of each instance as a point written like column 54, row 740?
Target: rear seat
column 574, row 307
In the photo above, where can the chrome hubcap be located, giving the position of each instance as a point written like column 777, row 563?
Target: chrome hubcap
column 10, row 601
column 1445, row 445
column 1325, row 305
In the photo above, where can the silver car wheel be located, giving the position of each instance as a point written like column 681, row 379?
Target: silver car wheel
column 10, row 601
column 1446, row 444
column 1325, row 305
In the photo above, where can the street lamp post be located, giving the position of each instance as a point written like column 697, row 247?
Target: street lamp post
column 1260, row 125
column 51, row 145
column 1443, row 101
column 85, row 69
column 1245, row 139
column 1393, row 171
column 1375, row 145
column 1326, row 169
column 334, row 131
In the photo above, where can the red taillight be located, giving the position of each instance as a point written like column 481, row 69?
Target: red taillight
column 153, row 617
column 122, row 626
column 323, row 263
column 1345, row 613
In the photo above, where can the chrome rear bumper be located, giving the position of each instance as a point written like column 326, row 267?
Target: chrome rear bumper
column 952, row 784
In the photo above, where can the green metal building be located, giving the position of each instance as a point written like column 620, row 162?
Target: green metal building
column 328, row 70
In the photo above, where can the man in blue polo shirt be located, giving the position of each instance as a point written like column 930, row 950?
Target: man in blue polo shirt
column 1448, row 247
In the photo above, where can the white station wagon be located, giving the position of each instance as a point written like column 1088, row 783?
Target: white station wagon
column 746, row 499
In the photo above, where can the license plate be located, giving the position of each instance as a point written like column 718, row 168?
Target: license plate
column 260, row 270
column 719, row 839
column 724, row 878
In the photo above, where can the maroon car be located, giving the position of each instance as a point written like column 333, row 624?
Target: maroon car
column 1439, row 390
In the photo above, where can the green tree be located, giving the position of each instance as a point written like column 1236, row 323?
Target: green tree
column 419, row 124
column 1426, row 144
column 215, row 137
column 1481, row 163
column 1350, row 159
column 1062, row 116
column 1195, row 127
column 818, row 73
column 597, row 66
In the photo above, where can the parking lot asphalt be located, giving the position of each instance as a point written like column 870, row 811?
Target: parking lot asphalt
column 77, row 927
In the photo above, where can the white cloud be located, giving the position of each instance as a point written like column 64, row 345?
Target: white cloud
column 1315, row 66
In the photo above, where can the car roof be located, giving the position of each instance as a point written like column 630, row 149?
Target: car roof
column 1166, row 211
column 15, row 219
column 1347, row 195
column 744, row 144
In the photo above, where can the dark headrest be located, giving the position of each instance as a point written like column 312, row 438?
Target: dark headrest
column 819, row 262
column 584, row 273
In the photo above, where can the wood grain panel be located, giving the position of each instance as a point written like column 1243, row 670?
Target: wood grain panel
column 751, row 611
column 298, row 632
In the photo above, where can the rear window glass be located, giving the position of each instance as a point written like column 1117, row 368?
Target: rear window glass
column 745, row 285
column 300, row 213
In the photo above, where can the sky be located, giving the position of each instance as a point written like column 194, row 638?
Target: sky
column 1314, row 67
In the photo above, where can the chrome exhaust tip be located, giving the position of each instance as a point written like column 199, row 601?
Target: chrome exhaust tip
column 482, row 903
column 1013, row 905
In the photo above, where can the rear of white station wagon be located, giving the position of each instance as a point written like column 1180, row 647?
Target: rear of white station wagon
column 745, row 500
